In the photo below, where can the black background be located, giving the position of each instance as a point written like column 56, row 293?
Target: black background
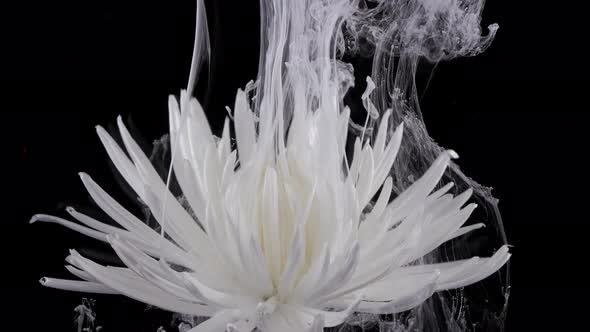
column 514, row 114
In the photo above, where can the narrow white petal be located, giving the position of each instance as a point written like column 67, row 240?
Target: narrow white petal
column 183, row 228
column 334, row 318
column 366, row 173
column 244, row 126
column 343, row 269
column 385, row 163
column 80, row 274
column 369, row 225
column 119, row 159
column 439, row 231
column 356, row 161
column 77, row 286
column 464, row 230
column 149, row 269
column 224, row 144
column 133, row 224
column 136, row 288
column 476, row 271
column 221, row 299
column 71, row 225
column 379, row 144
column 199, row 118
column 117, row 212
column 270, row 222
column 443, row 190
column 296, row 255
column 406, row 202
column 399, row 292
column 312, row 276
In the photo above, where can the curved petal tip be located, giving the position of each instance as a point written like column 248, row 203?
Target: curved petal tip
column 34, row 219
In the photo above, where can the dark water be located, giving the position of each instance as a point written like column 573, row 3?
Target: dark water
column 511, row 113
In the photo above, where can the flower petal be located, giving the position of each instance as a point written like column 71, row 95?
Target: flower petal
column 136, row 288
column 398, row 294
column 77, row 286
column 244, row 126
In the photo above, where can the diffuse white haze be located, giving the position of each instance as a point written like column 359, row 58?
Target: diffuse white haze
column 284, row 230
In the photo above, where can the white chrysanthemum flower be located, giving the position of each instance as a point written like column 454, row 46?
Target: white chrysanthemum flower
column 287, row 237
column 283, row 231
